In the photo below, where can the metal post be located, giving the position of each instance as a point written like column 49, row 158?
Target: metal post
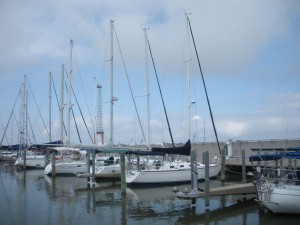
column 206, row 178
column 243, row 166
column 123, row 178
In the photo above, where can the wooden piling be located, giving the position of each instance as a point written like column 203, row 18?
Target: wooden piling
column 223, row 155
column 243, row 167
column 88, row 156
column 47, row 156
column 123, row 178
column 24, row 158
column 93, row 166
column 53, row 164
column 194, row 176
column 206, row 178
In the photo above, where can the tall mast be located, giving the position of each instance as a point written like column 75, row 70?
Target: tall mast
column 69, row 93
column 62, row 104
column 94, row 116
column 22, row 115
column 50, row 77
column 111, row 83
column 26, row 124
column 99, row 121
column 148, row 89
column 188, row 74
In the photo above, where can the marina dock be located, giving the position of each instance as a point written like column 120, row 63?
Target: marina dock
column 102, row 175
column 237, row 189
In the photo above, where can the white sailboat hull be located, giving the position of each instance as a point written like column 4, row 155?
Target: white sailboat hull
column 106, row 171
column 32, row 161
column 66, row 168
column 280, row 198
column 169, row 176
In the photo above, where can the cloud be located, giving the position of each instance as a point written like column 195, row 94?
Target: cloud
column 251, row 48
column 233, row 128
column 228, row 35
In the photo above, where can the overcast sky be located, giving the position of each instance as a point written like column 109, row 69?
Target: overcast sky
column 249, row 53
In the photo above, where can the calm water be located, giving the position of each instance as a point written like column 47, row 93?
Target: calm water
column 29, row 197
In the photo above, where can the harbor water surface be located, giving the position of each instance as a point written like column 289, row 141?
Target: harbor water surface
column 30, row 197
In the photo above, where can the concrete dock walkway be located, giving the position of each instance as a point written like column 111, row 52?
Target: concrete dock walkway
column 237, row 189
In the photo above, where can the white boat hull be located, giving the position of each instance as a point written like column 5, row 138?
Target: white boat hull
column 66, row 168
column 107, row 170
column 32, row 161
column 280, row 198
column 169, row 176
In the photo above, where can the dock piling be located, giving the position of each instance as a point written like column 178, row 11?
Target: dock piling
column 53, row 164
column 88, row 156
column 223, row 155
column 206, row 178
column 93, row 166
column 243, row 167
column 123, row 178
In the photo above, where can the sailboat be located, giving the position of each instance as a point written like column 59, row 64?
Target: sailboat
column 113, row 168
column 26, row 158
column 35, row 154
column 278, row 184
column 69, row 160
column 168, row 171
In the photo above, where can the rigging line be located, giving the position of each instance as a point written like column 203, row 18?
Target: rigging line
column 211, row 115
column 10, row 116
column 58, row 103
column 31, row 129
column 28, row 137
column 18, row 125
column 76, row 126
column 3, row 129
column 16, row 122
column 81, row 115
column 37, row 107
column 132, row 96
column 160, row 93
column 73, row 116
column 79, row 109
column 86, row 101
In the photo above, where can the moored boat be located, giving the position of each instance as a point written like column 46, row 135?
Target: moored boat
column 68, row 161
column 33, row 161
column 169, row 172
column 278, row 184
column 165, row 171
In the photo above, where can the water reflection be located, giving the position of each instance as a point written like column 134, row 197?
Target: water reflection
column 33, row 198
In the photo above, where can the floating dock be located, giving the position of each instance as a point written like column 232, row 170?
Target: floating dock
column 237, row 189
column 101, row 175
